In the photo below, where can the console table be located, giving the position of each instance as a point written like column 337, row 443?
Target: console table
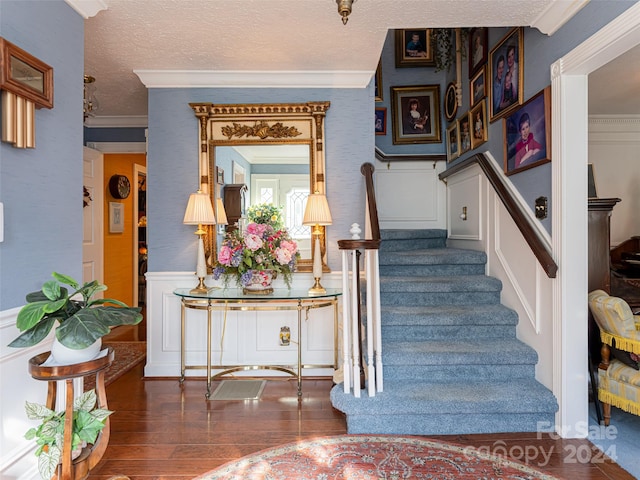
column 233, row 299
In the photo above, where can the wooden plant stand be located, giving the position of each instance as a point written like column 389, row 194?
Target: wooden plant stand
column 78, row 468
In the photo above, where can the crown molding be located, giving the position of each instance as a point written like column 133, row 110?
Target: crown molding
column 87, row 8
column 557, row 14
column 117, row 121
column 254, row 79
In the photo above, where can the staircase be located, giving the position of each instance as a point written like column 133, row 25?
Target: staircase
column 452, row 362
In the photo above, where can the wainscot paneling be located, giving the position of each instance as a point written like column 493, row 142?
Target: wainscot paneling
column 464, row 214
column 248, row 337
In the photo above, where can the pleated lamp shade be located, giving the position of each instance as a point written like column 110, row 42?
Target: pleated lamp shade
column 199, row 210
column 221, row 214
column 317, row 210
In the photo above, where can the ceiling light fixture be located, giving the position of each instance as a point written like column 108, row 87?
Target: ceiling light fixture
column 90, row 104
column 344, row 9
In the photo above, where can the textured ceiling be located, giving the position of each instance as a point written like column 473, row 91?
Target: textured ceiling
column 269, row 35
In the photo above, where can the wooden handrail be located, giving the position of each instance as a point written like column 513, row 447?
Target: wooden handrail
column 533, row 237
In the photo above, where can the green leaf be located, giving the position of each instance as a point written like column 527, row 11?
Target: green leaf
column 51, row 290
column 48, row 461
column 34, row 335
column 86, row 402
column 101, row 414
column 36, row 411
column 66, row 279
column 54, row 306
column 30, row 314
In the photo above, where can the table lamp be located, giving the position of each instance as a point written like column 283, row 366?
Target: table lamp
column 221, row 214
column 317, row 213
column 200, row 212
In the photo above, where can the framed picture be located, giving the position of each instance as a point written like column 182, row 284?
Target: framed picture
column 23, row 74
column 116, row 217
column 450, row 102
column 591, row 182
column 378, row 82
column 453, row 147
column 381, row 120
column 478, row 86
column 219, row 176
column 413, row 48
column 478, row 48
column 238, row 173
column 506, row 76
column 464, row 132
column 478, row 116
column 416, row 114
column 527, row 134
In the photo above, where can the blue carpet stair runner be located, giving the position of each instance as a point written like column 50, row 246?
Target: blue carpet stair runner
column 452, row 362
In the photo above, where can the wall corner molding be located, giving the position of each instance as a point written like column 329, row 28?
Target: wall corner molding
column 87, row 8
column 556, row 14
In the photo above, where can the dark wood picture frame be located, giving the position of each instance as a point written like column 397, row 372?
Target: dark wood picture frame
column 535, row 116
column 423, row 55
column 478, row 87
column 478, row 48
column 381, row 120
column 479, row 127
column 378, row 82
column 450, row 102
column 453, row 142
column 464, row 133
column 510, row 47
column 24, row 75
column 424, row 125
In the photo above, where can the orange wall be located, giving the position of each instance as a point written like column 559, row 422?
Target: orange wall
column 118, row 247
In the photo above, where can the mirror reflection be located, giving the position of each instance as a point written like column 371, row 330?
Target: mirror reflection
column 273, row 174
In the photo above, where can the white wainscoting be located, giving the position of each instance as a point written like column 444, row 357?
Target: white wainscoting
column 409, row 195
column 525, row 286
column 249, row 337
column 17, row 460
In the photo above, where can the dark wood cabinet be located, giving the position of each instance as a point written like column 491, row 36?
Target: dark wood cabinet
column 234, row 203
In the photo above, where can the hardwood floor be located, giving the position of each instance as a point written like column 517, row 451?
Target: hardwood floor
column 163, row 431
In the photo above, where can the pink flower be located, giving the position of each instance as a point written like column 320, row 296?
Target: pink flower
column 224, row 256
column 256, row 229
column 283, row 256
column 253, row 241
column 289, row 245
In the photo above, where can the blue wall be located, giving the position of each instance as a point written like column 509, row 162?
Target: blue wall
column 172, row 166
column 41, row 188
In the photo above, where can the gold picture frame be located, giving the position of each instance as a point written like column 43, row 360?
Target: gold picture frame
column 479, row 130
column 414, row 48
column 416, row 114
column 510, row 50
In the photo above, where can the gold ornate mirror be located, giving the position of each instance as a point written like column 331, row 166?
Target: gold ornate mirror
column 245, row 125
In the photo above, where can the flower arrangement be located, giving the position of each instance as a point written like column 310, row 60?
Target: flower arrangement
column 263, row 246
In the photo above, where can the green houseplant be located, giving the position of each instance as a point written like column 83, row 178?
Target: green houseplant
column 82, row 319
column 88, row 422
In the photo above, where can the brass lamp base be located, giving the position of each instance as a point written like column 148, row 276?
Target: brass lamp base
column 201, row 288
column 317, row 289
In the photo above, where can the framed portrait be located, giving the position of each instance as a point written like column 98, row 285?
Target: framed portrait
column 478, row 85
column 23, row 74
column 450, row 102
column 453, row 144
column 527, row 134
column 219, row 176
column 416, row 114
column 378, row 82
column 478, row 48
column 464, row 133
column 506, row 74
column 238, row 173
column 116, row 217
column 414, row 48
column 479, row 128
column 381, row 120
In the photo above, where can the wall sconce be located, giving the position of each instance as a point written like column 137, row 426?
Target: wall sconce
column 200, row 212
column 463, row 215
column 317, row 213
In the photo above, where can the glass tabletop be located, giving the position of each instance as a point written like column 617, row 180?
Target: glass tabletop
column 237, row 294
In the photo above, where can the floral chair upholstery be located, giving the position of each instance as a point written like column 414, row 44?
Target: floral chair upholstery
column 618, row 373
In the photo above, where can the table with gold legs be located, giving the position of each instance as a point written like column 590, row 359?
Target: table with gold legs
column 232, row 299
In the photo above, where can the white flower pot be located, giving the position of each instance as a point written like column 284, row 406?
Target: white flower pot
column 68, row 356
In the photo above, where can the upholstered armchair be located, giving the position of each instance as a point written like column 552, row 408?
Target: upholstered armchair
column 618, row 374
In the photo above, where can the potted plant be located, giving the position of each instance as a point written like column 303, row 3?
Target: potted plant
column 255, row 256
column 82, row 320
column 88, row 422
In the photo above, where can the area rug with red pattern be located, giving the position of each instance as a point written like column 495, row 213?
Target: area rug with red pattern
column 126, row 356
column 373, row 457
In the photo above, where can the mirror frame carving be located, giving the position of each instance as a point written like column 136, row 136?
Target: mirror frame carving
column 259, row 124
